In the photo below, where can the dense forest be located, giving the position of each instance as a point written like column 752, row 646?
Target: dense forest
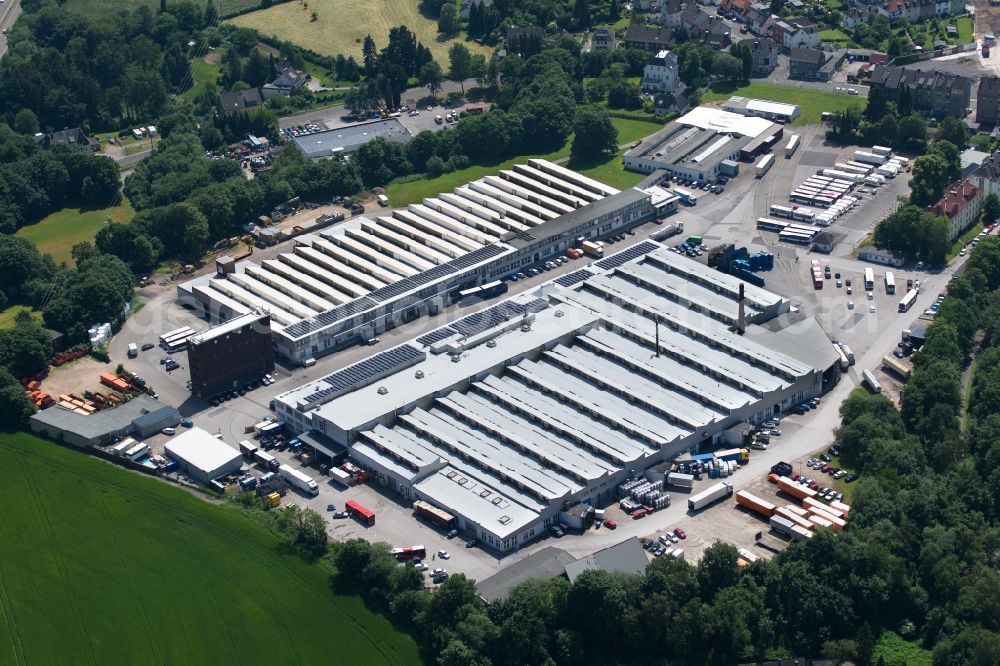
column 919, row 563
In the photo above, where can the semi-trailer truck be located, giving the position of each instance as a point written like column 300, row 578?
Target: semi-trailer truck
column 266, row 459
column 300, row 480
column 735, row 455
column 248, row 448
column 709, row 495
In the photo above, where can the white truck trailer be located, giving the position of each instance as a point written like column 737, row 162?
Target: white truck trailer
column 709, row 495
column 300, row 480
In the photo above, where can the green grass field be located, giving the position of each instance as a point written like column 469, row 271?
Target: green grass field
column 103, row 566
column 609, row 171
column 7, row 316
column 341, row 26
column 60, row 231
column 203, row 73
column 812, row 102
column 899, row 652
column 834, row 36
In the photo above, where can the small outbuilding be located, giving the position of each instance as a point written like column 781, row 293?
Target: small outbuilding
column 202, row 456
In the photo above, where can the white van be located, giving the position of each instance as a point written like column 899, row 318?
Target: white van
column 383, row 200
column 309, row 362
column 169, row 431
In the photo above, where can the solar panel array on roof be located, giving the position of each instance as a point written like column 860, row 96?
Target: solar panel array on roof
column 619, row 258
column 436, row 336
column 487, row 319
column 575, row 277
column 371, row 369
column 349, row 309
column 460, row 263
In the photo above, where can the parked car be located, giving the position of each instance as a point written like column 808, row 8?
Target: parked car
column 452, row 534
column 444, row 554
column 681, row 533
column 611, row 524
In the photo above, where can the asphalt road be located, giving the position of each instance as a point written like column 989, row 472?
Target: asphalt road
column 9, row 11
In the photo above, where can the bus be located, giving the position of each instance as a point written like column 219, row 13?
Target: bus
column 409, row 553
column 180, row 344
column 169, row 335
column 890, row 283
column 869, row 279
column 360, row 513
column 907, row 302
column 767, row 224
column 796, row 237
column 803, row 215
column 781, row 211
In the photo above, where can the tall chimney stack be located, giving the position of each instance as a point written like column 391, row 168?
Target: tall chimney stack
column 741, row 320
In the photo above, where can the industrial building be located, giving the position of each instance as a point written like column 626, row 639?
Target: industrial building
column 140, row 417
column 762, row 108
column 346, row 284
column 344, row 140
column 696, row 145
column 512, row 415
column 230, row 355
column 202, row 456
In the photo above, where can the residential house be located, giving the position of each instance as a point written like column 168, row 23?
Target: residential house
column 867, row 55
column 759, row 20
column 648, row 39
column 603, row 40
column 987, row 177
column 660, row 75
column 960, row 205
column 288, row 80
column 805, row 63
column 719, row 35
column 988, row 101
column 68, row 137
column 525, row 41
column 735, row 9
column 858, row 14
column 765, row 54
column 933, row 93
column 466, row 8
column 670, row 12
column 695, row 20
column 795, row 33
column 238, row 101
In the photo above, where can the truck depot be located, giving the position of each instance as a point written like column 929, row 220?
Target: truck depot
column 507, row 418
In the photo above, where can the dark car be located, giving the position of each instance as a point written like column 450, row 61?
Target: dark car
column 850, row 478
column 826, row 457
column 452, row 534
column 147, row 346
column 471, row 543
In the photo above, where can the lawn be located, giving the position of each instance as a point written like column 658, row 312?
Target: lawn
column 203, row 72
column 630, row 130
column 341, row 26
column 100, row 565
column 608, row 170
column 965, row 35
column 7, row 316
column 60, row 231
column 414, row 191
column 834, row 36
column 811, row 102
